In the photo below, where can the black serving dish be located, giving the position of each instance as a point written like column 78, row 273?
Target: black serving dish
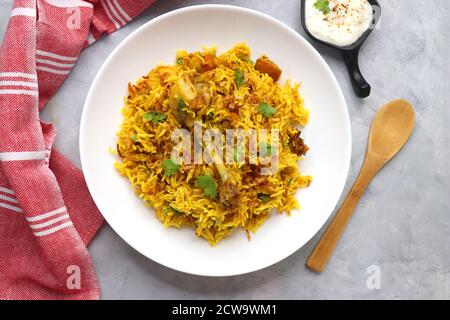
column 350, row 53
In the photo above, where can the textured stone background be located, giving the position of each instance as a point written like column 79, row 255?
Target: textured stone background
column 402, row 224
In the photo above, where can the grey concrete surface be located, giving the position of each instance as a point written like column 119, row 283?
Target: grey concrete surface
column 402, row 224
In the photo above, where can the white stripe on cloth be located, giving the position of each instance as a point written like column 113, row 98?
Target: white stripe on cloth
column 50, row 70
column 23, row 12
column 17, row 91
column 6, row 198
column 69, row 3
column 55, row 56
column 22, row 155
column 18, row 75
column 10, row 207
column 5, row 190
column 122, row 11
column 49, row 222
column 109, row 14
column 114, row 12
column 47, row 215
column 90, row 38
column 53, row 63
column 53, row 230
column 18, row 84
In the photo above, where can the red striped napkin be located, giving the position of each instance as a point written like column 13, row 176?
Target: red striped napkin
column 47, row 216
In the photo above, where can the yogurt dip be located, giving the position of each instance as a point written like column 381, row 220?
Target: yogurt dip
column 339, row 22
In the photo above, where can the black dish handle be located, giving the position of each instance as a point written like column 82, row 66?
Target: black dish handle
column 360, row 85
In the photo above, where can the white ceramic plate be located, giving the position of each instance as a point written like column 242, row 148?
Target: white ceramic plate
column 327, row 134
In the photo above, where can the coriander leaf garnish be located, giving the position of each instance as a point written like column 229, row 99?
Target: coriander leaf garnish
column 266, row 149
column 210, row 116
column 177, row 212
column 323, row 5
column 170, row 167
column 264, row 197
column 238, row 154
column 181, row 105
column 238, row 78
column 208, row 185
column 154, row 117
column 179, row 61
column 133, row 137
column 266, row 109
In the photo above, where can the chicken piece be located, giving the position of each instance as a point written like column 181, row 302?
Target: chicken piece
column 228, row 194
column 297, row 144
column 185, row 89
column 228, row 190
column 222, row 170
column 203, row 98
column 181, row 93
column 265, row 65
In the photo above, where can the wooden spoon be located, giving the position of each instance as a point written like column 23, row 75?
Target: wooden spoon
column 391, row 129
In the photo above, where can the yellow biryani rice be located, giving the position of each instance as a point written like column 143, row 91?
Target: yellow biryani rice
column 223, row 91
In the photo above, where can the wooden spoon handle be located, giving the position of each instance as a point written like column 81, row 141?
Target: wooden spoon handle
column 325, row 247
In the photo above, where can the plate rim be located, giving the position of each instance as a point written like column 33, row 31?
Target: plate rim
column 182, row 10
